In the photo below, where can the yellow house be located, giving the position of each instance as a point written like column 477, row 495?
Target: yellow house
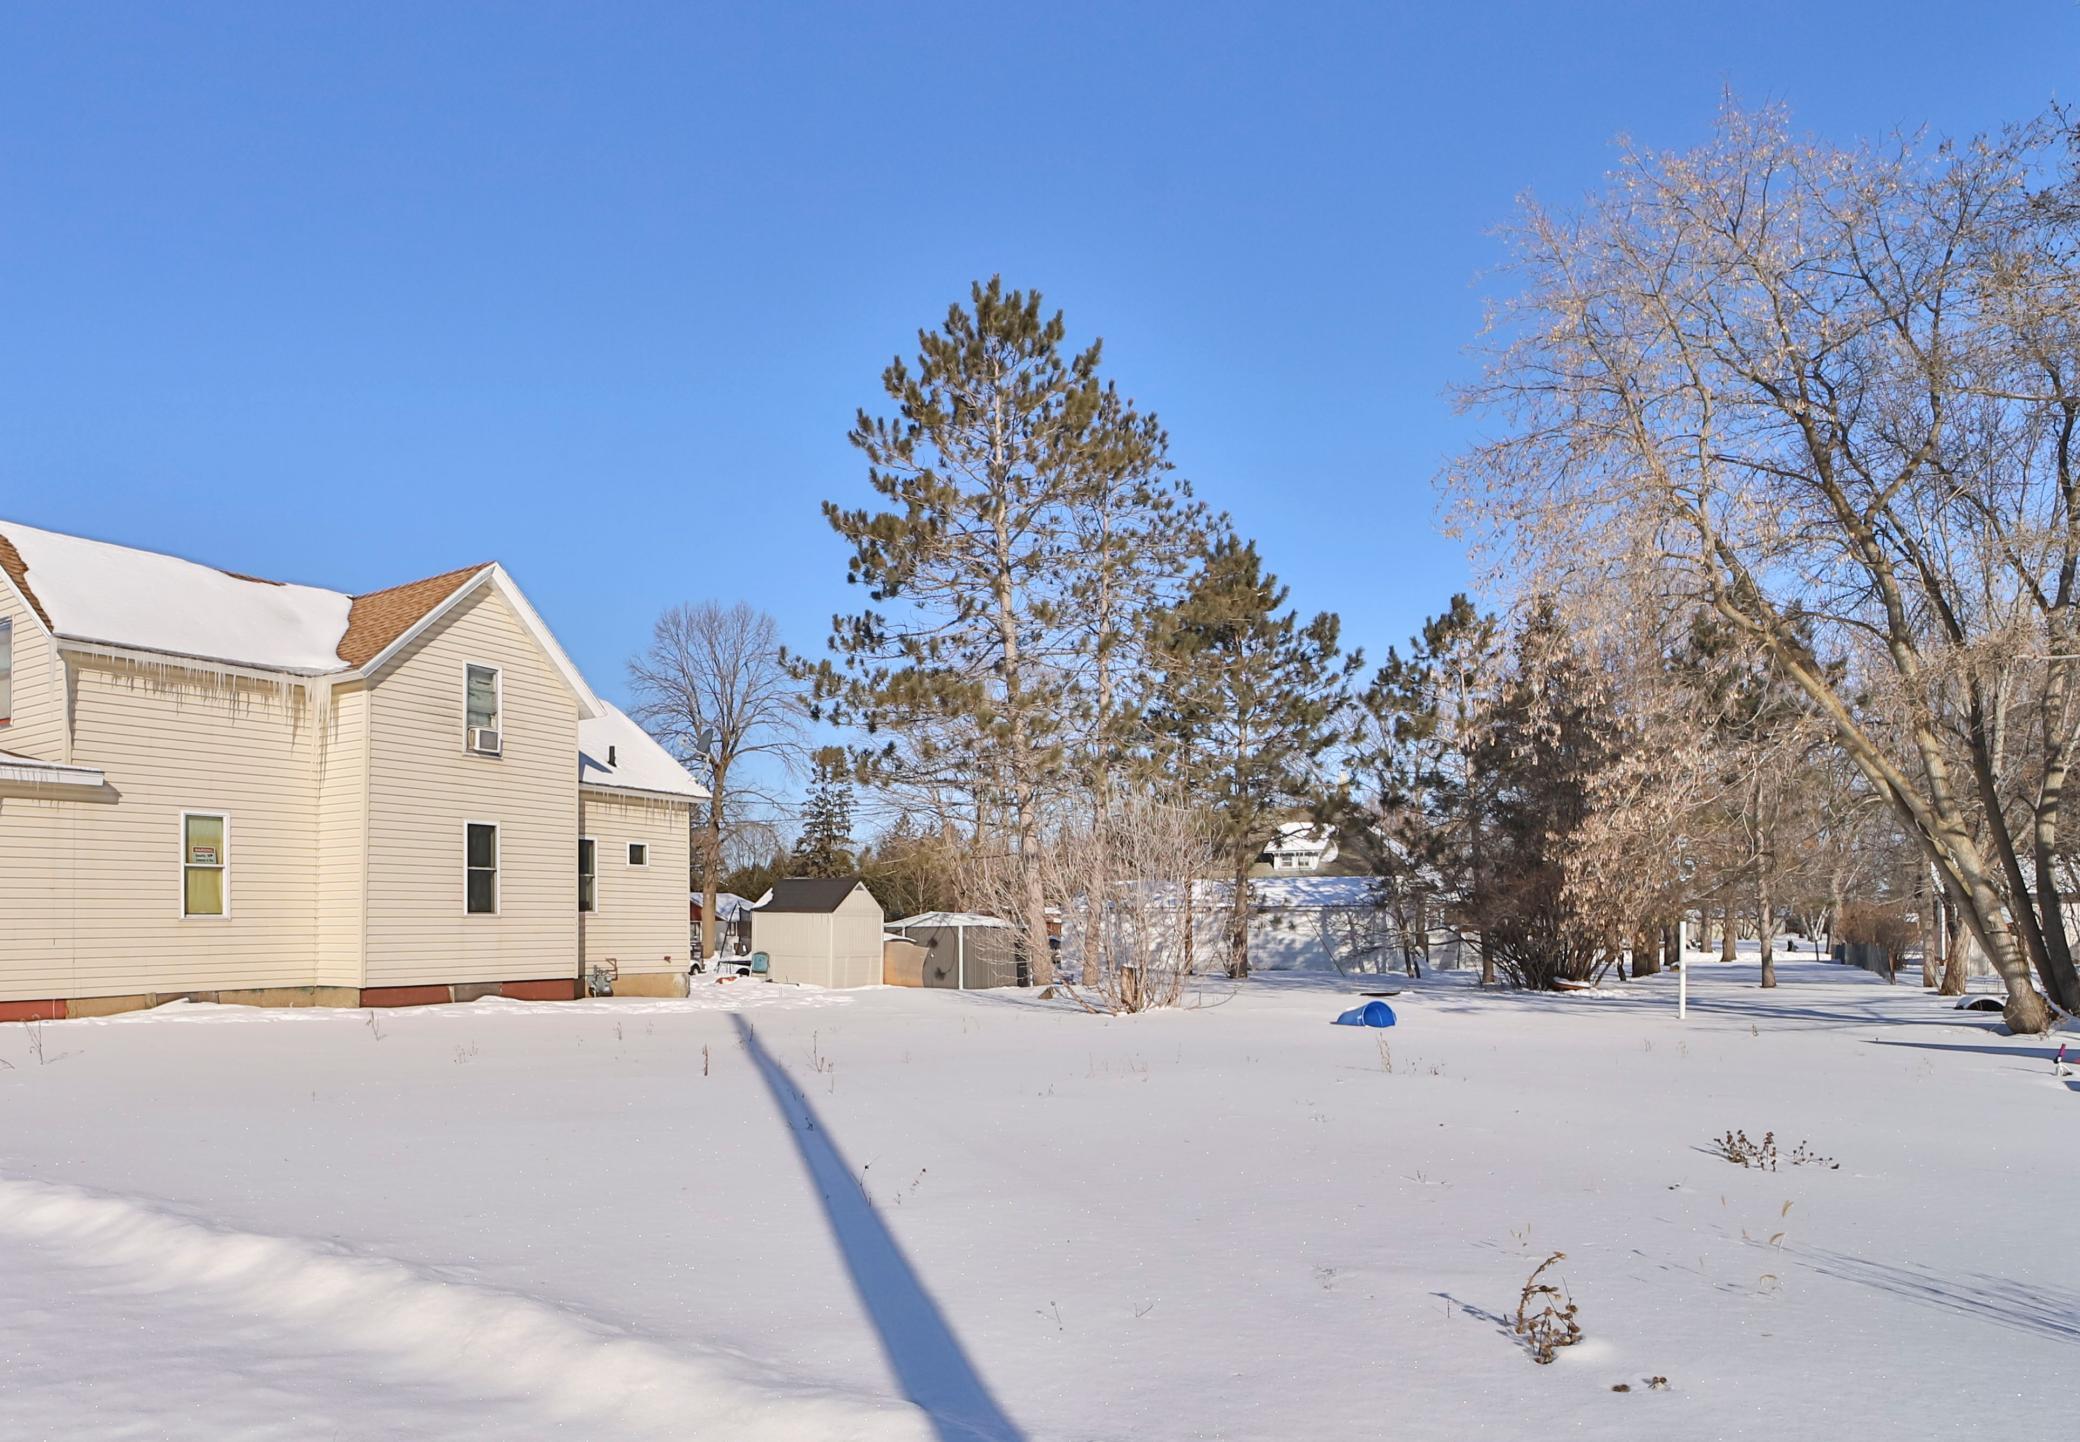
column 225, row 788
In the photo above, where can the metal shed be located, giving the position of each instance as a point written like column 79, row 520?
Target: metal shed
column 964, row 950
column 732, row 923
column 821, row 931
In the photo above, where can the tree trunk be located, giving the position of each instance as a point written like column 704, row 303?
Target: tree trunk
column 2027, row 927
column 1834, row 906
column 1954, row 978
column 1766, row 928
column 2058, row 950
column 1925, row 894
column 1191, row 919
column 1039, row 956
column 1238, row 917
column 1726, row 947
column 1646, row 959
column 1473, row 833
column 711, row 857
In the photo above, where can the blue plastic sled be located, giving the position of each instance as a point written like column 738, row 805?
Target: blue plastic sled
column 1373, row 1013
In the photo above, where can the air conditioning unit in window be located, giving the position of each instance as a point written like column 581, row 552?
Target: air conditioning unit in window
column 484, row 740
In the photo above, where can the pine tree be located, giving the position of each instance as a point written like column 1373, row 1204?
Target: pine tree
column 1428, row 715
column 1248, row 704
column 1136, row 534
column 1547, row 738
column 969, row 665
column 825, row 845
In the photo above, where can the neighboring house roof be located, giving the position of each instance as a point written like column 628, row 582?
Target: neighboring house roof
column 617, row 754
column 96, row 593
column 947, row 918
column 728, row 905
column 1271, row 893
column 1307, row 841
column 809, row 893
column 1301, row 893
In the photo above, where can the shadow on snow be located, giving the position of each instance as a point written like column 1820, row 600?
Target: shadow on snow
column 929, row 1362
column 2019, row 1306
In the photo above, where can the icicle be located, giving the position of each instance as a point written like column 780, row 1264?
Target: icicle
column 318, row 694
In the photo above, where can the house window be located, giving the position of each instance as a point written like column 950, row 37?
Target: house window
column 638, row 853
column 481, row 862
column 588, row 874
column 480, row 706
column 6, row 671
column 205, row 864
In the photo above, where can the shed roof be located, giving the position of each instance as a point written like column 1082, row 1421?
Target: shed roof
column 948, row 918
column 810, row 893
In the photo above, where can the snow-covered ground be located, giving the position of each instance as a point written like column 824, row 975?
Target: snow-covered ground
column 775, row 1213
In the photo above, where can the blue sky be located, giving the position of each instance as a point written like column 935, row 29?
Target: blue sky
column 353, row 294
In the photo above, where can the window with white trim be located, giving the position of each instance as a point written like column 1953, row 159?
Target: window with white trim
column 482, row 689
column 638, row 853
column 6, row 671
column 205, row 863
column 588, row 874
column 480, row 863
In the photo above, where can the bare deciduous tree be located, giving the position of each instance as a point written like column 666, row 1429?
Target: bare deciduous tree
column 1829, row 396
column 714, row 690
column 1124, row 883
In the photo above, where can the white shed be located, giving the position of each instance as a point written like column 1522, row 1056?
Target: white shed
column 821, row 931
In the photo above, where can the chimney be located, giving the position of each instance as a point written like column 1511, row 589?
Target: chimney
column 611, row 762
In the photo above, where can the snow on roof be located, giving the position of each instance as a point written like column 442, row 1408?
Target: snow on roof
column 1302, row 892
column 947, row 918
column 28, row 770
column 614, row 752
column 728, row 905
column 1272, row 893
column 118, row 596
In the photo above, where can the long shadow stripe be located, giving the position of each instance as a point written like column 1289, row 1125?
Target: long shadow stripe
column 930, row 1364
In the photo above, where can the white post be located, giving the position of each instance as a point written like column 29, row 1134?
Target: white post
column 960, row 955
column 1682, row 977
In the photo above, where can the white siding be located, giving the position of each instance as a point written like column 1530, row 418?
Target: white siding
column 345, row 848
column 839, row 949
column 856, row 940
column 424, row 786
column 90, row 888
column 343, row 840
column 38, row 727
column 641, row 922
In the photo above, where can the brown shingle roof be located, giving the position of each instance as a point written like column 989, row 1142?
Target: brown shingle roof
column 380, row 617
column 812, row 893
column 18, row 572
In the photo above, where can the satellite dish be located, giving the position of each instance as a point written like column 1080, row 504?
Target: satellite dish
column 705, row 742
